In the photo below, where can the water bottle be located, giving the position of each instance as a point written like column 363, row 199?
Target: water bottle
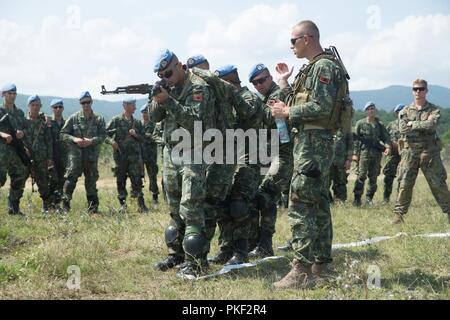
column 283, row 131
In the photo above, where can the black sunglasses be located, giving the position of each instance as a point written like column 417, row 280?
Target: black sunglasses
column 58, row 107
column 419, row 89
column 293, row 41
column 85, row 103
column 260, row 81
column 166, row 75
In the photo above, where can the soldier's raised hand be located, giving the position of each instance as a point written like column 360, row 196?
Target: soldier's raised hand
column 283, row 74
column 7, row 137
column 19, row 134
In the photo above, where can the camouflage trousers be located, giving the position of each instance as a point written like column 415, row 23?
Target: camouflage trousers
column 309, row 205
column 11, row 164
column 234, row 220
column 276, row 180
column 82, row 162
column 428, row 159
column 128, row 166
column 39, row 174
column 150, row 157
column 369, row 166
column 338, row 181
column 185, row 192
column 390, row 172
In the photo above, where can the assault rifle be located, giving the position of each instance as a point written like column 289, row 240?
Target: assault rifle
column 145, row 88
column 17, row 144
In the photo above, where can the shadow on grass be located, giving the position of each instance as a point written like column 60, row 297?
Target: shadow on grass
column 418, row 279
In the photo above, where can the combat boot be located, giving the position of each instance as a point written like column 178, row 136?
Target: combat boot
column 300, row 277
column 398, row 219
column 170, row 262
column 93, row 205
column 155, row 198
column 141, row 204
column 264, row 248
column 225, row 253
column 190, row 270
column 66, row 206
column 123, row 206
column 240, row 255
column 45, row 207
column 357, row 201
column 287, row 247
column 13, row 208
column 320, row 272
column 369, row 201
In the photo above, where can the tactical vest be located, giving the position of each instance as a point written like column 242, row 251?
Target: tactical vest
column 342, row 111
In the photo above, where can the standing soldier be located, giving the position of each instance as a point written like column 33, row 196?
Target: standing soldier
column 59, row 153
column 10, row 162
column 40, row 144
column 198, row 61
column 150, row 152
column 392, row 160
column 83, row 133
column 343, row 145
column 367, row 153
column 125, row 135
column 315, row 95
column 420, row 148
column 280, row 172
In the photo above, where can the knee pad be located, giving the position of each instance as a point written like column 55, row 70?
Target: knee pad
column 171, row 236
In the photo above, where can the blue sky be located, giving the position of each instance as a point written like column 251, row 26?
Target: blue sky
column 47, row 48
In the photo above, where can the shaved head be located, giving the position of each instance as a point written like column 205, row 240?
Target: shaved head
column 307, row 27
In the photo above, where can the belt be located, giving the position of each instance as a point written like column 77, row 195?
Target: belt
column 312, row 127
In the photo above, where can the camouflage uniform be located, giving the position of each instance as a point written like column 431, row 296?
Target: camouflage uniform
column 40, row 143
column 128, row 158
column 150, row 156
column 343, row 145
column 311, row 102
column 185, row 183
column 83, row 160
column 10, row 161
column 58, row 172
column 421, row 150
column 273, row 183
column 369, row 164
column 392, row 160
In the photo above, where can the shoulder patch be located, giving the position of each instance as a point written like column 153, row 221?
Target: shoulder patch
column 198, row 97
column 325, row 80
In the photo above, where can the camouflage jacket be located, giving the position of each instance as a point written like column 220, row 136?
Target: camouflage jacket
column 314, row 92
column 343, row 144
column 118, row 131
column 424, row 123
column 39, row 139
column 17, row 118
column 78, row 126
column 194, row 101
column 275, row 92
column 373, row 132
column 59, row 147
column 255, row 120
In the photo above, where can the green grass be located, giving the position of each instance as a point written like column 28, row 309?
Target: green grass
column 115, row 254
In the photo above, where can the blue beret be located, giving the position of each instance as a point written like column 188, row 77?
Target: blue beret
column 9, row 87
column 369, row 104
column 256, row 70
column 195, row 60
column 129, row 100
column 224, row 70
column 399, row 107
column 84, row 94
column 56, row 102
column 163, row 60
column 34, row 98
column 144, row 108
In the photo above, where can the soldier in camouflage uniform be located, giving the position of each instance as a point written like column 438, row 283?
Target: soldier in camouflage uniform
column 234, row 220
column 392, row 160
column 9, row 160
column 150, row 152
column 367, row 153
column 190, row 100
column 309, row 108
column 279, row 174
column 420, row 148
column 125, row 135
column 343, row 145
column 57, row 174
column 83, row 133
column 39, row 141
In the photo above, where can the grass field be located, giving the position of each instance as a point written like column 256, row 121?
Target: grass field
column 115, row 254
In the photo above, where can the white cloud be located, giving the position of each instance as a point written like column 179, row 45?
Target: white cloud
column 57, row 60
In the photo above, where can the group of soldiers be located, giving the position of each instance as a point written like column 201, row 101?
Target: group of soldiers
column 61, row 150
column 316, row 149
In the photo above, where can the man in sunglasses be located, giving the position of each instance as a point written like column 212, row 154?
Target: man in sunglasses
column 190, row 100
column 420, row 150
column 83, row 133
column 59, row 154
column 278, row 177
column 10, row 162
column 309, row 108
column 368, row 151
